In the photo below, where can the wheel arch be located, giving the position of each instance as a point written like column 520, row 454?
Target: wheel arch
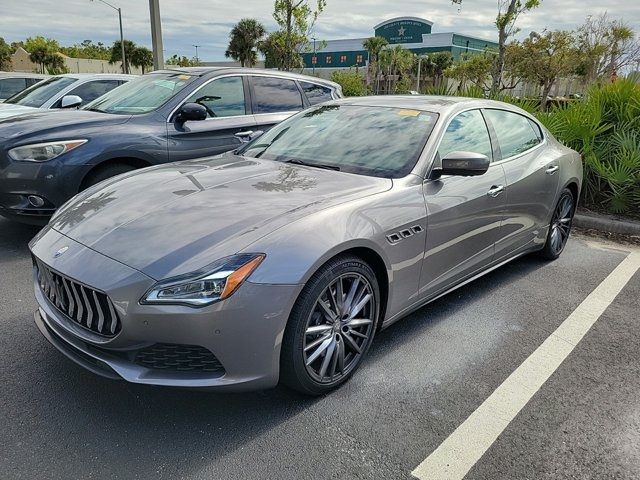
column 134, row 162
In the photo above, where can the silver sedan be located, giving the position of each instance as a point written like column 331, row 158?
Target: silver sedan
column 281, row 260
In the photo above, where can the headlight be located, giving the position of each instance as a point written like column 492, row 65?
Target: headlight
column 43, row 152
column 214, row 283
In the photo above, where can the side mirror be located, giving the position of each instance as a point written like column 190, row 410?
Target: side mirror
column 70, row 101
column 191, row 112
column 246, row 137
column 464, row 164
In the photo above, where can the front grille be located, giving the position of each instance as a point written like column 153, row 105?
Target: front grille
column 181, row 358
column 87, row 307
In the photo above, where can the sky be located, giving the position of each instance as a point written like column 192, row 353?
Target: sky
column 207, row 22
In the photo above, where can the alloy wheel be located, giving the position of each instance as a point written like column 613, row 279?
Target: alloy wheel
column 339, row 327
column 561, row 224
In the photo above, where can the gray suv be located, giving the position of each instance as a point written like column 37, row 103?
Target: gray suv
column 165, row 116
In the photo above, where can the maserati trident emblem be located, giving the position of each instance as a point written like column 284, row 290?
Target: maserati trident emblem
column 60, row 251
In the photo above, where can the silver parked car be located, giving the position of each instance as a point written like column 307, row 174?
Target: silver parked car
column 282, row 259
column 70, row 90
column 15, row 82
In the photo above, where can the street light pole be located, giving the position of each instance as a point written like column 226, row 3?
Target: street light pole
column 314, row 59
column 197, row 58
column 124, row 58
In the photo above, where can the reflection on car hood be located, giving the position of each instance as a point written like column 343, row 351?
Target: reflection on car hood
column 180, row 217
column 11, row 110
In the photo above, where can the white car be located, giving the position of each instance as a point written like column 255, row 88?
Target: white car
column 15, row 82
column 70, row 90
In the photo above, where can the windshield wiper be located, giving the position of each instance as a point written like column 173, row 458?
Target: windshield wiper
column 309, row 164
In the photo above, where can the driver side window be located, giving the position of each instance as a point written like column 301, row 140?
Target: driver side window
column 223, row 97
column 467, row 132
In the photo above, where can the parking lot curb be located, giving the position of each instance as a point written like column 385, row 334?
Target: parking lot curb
column 607, row 223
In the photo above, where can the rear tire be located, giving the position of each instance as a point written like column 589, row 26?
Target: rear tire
column 331, row 326
column 105, row 172
column 560, row 226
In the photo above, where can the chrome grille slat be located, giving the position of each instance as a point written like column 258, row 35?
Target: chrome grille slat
column 89, row 308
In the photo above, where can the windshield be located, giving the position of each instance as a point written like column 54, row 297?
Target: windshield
column 38, row 94
column 368, row 140
column 142, row 95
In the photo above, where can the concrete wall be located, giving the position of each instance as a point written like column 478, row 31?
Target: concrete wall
column 21, row 63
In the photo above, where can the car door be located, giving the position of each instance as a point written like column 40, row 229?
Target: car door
column 532, row 180
column 464, row 214
column 89, row 91
column 225, row 99
column 274, row 99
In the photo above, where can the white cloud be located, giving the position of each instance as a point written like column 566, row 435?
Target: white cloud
column 207, row 22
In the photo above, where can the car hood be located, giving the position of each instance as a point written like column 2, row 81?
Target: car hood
column 178, row 218
column 40, row 123
column 11, row 110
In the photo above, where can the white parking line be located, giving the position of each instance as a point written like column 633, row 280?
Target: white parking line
column 463, row 448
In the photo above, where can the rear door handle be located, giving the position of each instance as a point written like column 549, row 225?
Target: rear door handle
column 552, row 169
column 495, row 191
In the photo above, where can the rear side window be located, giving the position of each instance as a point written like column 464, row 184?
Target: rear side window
column 11, row 86
column 467, row 132
column 514, row 131
column 316, row 93
column 272, row 95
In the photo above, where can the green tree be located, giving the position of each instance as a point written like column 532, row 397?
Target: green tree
column 606, row 46
column 88, row 49
column 296, row 20
column 244, row 39
column 475, row 69
column 508, row 13
column 396, row 63
column 44, row 52
column 5, row 55
column 543, row 58
column 181, row 61
column 437, row 63
column 116, row 54
column 373, row 46
column 142, row 57
column 351, row 82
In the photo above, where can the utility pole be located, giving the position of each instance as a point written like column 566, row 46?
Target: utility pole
column 197, row 59
column 156, row 34
column 124, row 57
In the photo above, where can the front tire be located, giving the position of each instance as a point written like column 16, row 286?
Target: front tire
column 560, row 226
column 331, row 326
column 105, row 172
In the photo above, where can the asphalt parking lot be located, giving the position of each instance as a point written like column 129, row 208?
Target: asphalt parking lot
column 425, row 376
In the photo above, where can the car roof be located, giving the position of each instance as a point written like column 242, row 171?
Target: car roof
column 84, row 76
column 433, row 103
column 204, row 71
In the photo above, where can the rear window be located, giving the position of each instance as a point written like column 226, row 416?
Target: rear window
column 316, row 93
column 514, row 131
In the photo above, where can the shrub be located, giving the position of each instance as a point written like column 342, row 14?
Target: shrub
column 352, row 83
column 605, row 128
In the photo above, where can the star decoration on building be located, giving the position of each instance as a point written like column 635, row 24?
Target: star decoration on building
column 401, row 31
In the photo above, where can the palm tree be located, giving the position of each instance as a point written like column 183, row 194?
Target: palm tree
column 374, row 46
column 116, row 54
column 244, row 39
column 142, row 57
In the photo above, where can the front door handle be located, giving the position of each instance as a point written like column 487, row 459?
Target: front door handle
column 552, row 169
column 246, row 133
column 495, row 191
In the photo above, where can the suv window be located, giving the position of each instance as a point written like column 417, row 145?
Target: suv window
column 316, row 93
column 467, row 132
column 275, row 95
column 223, row 97
column 11, row 86
column 89, row 91
column 514, row 131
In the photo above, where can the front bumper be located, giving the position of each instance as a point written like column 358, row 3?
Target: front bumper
column 243, row 333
